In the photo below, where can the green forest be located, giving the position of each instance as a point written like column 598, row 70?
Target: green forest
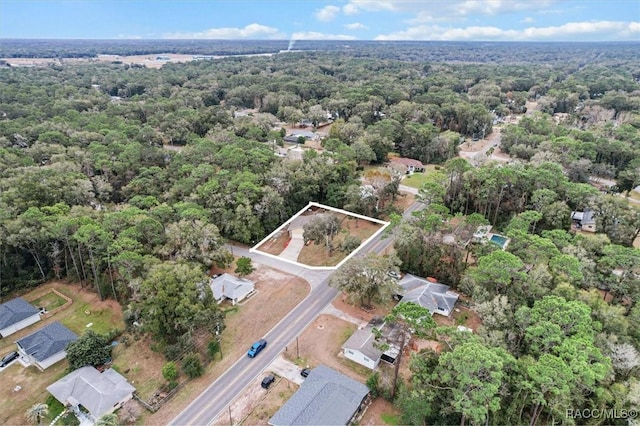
column 131, row 181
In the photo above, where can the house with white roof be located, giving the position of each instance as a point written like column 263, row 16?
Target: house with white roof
column 377, row 341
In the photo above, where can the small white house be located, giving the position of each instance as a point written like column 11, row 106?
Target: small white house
column 228, row 287
column 368, row 348
column 46, row 346
column 98, row 393
column 15, row 315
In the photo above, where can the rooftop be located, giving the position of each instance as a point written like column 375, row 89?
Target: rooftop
column 434, row 296
column 47, row 341
column 326, row 397
column 97, row 392
column 15, row 311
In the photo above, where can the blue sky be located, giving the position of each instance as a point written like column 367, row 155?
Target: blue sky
column 482, row 20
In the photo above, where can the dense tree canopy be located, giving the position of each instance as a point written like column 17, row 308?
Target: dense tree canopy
column 132, row 180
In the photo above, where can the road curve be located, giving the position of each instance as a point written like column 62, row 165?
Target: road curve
column 214, row 400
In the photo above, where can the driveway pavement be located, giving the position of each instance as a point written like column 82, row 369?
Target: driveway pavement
column 286, row 369
column 292, row 251
column 312, row 276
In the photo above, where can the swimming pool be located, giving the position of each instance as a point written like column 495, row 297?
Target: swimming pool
column 499, row 240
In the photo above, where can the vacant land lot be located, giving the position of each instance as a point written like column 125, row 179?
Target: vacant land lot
column 23, row 387
column 243, row 326
column 318, row 255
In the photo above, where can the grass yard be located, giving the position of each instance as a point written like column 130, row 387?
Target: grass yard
column 104, row 316
column 416, row 180
column 262, row 410
column 276, row 244
column 49, row 301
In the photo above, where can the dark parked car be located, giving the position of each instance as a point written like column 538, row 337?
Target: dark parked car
column 394, row 274
column 257, row 347
column 305, row 372
column 266, row 382
column 6, row 360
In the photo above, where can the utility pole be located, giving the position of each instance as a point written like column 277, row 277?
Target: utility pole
column 230, row 419
column 297, row 348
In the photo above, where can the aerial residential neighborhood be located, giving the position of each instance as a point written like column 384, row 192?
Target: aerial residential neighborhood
column 320, row 213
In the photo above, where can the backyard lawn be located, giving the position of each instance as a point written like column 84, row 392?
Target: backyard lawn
column 416, row 180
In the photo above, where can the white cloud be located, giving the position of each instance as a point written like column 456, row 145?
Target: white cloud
column 446, row 10
column 251, row 31
column 327, row 13
column 312, row 35
column 593, row 30
column 528, row 20
column 356, row 26
column 357, row 6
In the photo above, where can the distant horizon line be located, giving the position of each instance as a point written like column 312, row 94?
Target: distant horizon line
column 316, row 40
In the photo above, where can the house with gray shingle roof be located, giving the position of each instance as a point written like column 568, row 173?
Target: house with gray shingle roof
column 99, row 393
column 584, row 221
column 434, row 296
column 326, row 397
column 368, row 347
column 226, row 286
column 46, row 346
column 15, row 315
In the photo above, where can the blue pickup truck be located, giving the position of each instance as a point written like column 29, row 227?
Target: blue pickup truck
column 257, row 347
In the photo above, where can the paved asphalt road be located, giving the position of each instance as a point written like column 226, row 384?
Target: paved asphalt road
column 215, row 399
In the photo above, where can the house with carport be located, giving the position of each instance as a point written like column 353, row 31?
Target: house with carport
column 15, row 315
column 46, row 346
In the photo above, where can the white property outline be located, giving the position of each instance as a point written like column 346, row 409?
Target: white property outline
column 255, row 249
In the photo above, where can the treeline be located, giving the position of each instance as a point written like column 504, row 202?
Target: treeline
column 504, row 53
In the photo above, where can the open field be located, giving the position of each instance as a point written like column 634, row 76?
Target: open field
column 104, row 316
